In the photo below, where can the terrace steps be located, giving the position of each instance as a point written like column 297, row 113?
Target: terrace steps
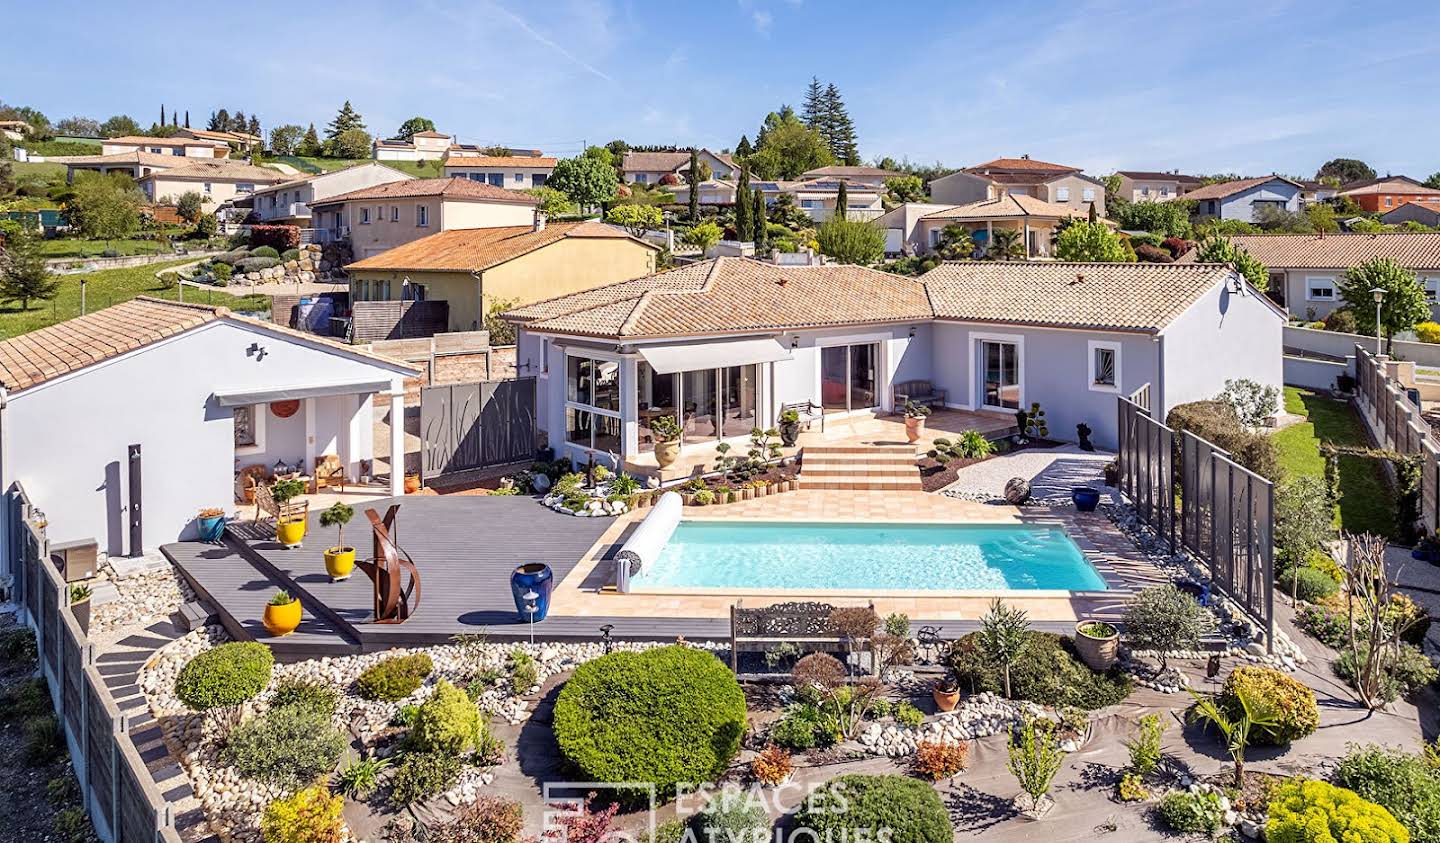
column 865, row 468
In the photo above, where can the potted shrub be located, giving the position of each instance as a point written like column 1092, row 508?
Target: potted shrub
column 412, row 483
column 773, row 767
column 1085, row 498
column 80, row 606
column 1428, row 549
column 290, row 529
column 915, row 420
column 340, row 559
column 789, row 427
column 211, row 524
column 666, row 431
column 1097, row 643
column 946, row 693
column 282, row 614
column 1112, row 473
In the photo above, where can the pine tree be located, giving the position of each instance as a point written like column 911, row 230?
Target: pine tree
column 214, row 123
column 757, row 218
column 344, row 121
column 238, row 122
column 220, row 122
column 26, row 276
column 693, row 176
column 839, row 131
column 310, row 144
column 842, row 202
column 254, row 128
column 743, row 149
column 743, row 229
column 815, row 111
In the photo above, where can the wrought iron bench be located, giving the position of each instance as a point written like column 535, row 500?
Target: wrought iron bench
column 804, row 624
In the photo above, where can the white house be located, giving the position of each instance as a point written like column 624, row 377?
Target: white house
column 185, row 147
column 289, row 201
column 1243, row 199
column 515, row 172
column 724, row 343
column 163, row 403
column 422, row 146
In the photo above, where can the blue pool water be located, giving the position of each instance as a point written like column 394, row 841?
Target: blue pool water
column 923, row 557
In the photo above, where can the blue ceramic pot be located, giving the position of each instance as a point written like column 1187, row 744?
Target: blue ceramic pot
column 536, row 577
column 212, row 528
column 1085, row 498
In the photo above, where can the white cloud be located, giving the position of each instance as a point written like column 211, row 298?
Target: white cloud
column 762, row 20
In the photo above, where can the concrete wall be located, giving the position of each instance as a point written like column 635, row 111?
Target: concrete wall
column 1223, row 336
column 959, row 189
column 325, row 186
column 485, row 215
column 1336, row 344
column 1313, row 373
column 1135, row 190
column 1074, row 187
column 161, row 188
column 66, row 439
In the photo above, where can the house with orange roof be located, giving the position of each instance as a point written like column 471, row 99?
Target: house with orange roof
column 178, row 146
column 514, row 172
column 1057, row 184
column 378, row 218
column 218, row 181
column 673, row 167
column 1386, row 193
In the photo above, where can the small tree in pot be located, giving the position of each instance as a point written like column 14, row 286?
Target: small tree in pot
column 666, row 431
column 340, row 559
column 915, row 420
column 789, row 427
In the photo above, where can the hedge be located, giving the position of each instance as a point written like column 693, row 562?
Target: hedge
column 859, row 807
column 225, row 676
column 1294, row 705
column 1047, row 671
column 1216, row 422
column 277, row 237
column 665, row 716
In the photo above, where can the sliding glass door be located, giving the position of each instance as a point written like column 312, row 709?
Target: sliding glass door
column 849, row 377
column 1000, row 375
column 709, row 404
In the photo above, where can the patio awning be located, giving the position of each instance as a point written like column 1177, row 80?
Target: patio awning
column 241, row 398
column 667, row 359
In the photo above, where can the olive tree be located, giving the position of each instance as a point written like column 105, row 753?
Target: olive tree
column 1164, row 618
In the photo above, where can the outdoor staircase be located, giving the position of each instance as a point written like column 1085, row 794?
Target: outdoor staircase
column 863, row 468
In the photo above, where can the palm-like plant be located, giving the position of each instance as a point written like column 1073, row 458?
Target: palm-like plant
column 1005, row 244
column 1254, row 714
column 1004, row 633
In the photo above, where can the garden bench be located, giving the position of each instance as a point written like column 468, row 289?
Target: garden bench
column 804, row 624
column 809, row 411
column 265, row 502
column 917, row 392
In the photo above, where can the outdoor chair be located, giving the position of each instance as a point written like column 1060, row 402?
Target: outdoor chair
column 330, row 473
column 266, row 503
column 248, row 479
column 917, row 392
column 809, row 412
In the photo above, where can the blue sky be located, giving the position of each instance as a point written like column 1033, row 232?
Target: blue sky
column 1252, row 86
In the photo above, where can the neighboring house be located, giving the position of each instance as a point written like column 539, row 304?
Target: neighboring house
column 475, row 269
column 1145, row 186
column 818, row 197
column 186, row 147
column 244, row 140
column 1239, row 200
column 902, row 227
column 1387, row 193
column 376, row 219
column 14, row 130
column 652, row 167
column 712, row 192
column 1053, row 183
column 1035, row 219
column 1312, row 192
column 422, row 146
column 1425, row 213
column 724, row 343
column 515, row 172
column 136, row 165
column 172, row 399
column 872, row 176
column 1305, row 269
column 217, row 182
column 288, row 202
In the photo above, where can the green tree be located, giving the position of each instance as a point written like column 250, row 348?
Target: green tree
column 638, row 219
column 617, row 148
column 757, row 220
column 188, row 206
column 253, row 128
column 347, row 119
column 26, row 276
column 351, row 143
column 743, row 149
column 104, row 207
column 905, row 189
column 1433, row 181
column 1345, row 169
column 553, row 203
column 588, row 181
column 1171, row 219
column 1091, row 241
column 1004, row 634
column 309, row 145
column 703, row 236
column 121, row 125
column 851, row 241
column 284, row 140
column 956, row 243
column 744, row 230
column 839, row 130
column 80, row 127
column 1321, row 218
column 1218, row 248
column 1006, row 244
column 501, row 331
column 1404, row 303
column 219, row 121
column 787, row 148
column 410, row 128
column 600, row 153
column 842, row 201
column 812, row 110
column 1112, row 186
column 692, row 176
column 1365, row 225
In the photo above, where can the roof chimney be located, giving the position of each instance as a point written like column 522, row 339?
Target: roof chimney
column 539, row 221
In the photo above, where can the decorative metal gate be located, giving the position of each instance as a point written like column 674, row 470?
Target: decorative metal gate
column 1147, row 474
column 465, row 426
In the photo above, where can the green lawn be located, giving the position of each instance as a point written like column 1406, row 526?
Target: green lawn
column 73, row 248
column 1367, row 503
column 108, row 287
column 44, row 171
column 424, row 169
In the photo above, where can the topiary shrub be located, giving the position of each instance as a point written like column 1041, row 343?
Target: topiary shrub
column 1293, row 704
column 1317, row 812
column 422, row 775
column 665, row 716
column 734, row 817
column 225, row 676
column 1403, row 784
column 1047, row 670
column 308, row 695
column 264, row 252
column 1308, row 584
column 221, row 271
column 859, row 807
column 289, row 747
column 447, row 722
column 255, row 264
column 1193, row 813
column 290, row 255
column 312, row 815
column 394, row 678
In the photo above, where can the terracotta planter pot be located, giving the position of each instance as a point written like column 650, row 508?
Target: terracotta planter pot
column 339, row 562
column 666, row 453
column 412, row 484
column 1097, row 652
column 945, row 700
column 914, row 428
column 282, row 620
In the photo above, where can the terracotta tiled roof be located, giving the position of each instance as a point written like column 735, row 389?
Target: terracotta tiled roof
column 430, row 135
column 220, row 169
column 1338, row 251
column 147, row 159
column 1141, row 297
column 853, row 172
column 1021, row 164
column 31, row 359
column 1008, row 206
column 1158, row 176
column 1221, row 190
column 648, row 162
column 1387, row 184
column 733, row 295
column 481, row 248
column 141, row 140
column 499, row 161
column 450, row 188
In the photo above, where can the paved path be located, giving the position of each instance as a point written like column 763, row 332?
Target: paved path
column 1051, row 472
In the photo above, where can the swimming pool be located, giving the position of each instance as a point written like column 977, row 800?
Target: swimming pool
column 869, row 558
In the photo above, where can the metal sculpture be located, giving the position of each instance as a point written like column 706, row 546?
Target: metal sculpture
column 395, row 601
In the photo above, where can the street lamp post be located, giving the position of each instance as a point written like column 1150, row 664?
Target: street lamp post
column 1379, row 294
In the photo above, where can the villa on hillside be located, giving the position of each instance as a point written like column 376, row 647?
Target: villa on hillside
column 217, row 181
column 288, row 202
column 1149, row 186
column 178, row 146
column 515, row 172
column 1242, row 199
column 725, row 344
column 422, row 146
column 1058, row 184
column 378, row 218
column 654, row 167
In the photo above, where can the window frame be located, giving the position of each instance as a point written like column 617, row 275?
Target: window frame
column 1116, row 350
column 365, row 215
column 1323, row 280
column 594, row 356
column 1062, row 194
column 257, row 423
column 422, row 215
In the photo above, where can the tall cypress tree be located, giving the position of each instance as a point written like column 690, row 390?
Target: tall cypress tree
column 162, row 113
column 743, row 230
column 842, row 201
column 187, row 118
column 757, row 213
column 693, row 176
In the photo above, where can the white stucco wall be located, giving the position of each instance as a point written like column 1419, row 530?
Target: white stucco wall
column 66, row 439
column 1223, row 336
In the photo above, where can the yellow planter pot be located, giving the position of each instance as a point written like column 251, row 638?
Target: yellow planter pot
column 282, row 620
column 339, row 562
column 290, row 533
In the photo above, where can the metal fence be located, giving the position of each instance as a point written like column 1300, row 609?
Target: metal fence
column 465, row 426
column 1225, row 512
column 1395, row 423
column 116, row 787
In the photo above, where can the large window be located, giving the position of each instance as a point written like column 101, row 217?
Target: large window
column 592, row 403
column 712, row 404
column 848, row 377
